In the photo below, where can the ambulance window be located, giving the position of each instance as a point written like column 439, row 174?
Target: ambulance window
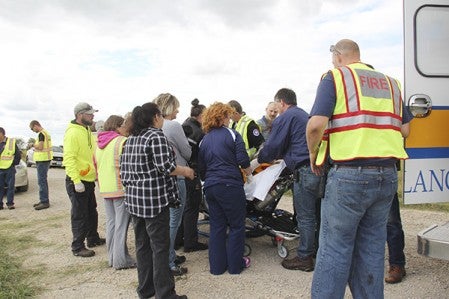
column 432, row 41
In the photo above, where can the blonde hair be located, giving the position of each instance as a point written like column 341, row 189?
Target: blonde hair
column 167, row 103
column 214, row 116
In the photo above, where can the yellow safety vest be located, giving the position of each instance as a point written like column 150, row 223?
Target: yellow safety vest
column 46, row 153
column 323, row 151
column 108, row 168
column 7, row 156
column 367, row 117
column 242, row 128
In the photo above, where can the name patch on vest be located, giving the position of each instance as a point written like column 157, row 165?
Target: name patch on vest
column 373, row 84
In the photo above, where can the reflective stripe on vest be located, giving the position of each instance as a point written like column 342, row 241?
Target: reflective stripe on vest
column 109, row 177
column 242, row 128
column 46, row 153
column 367, row 118
column 7, row 156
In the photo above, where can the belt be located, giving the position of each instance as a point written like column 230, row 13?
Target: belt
column 336, row 166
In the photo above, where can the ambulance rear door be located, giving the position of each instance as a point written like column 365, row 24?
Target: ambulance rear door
column 426, row 91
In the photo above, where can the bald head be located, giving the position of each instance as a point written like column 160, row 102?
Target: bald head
column 345, row 52
column 272, row 111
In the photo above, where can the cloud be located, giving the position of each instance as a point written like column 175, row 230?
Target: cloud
column 119, row 54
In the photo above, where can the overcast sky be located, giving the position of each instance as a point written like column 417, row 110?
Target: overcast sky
column 117, row 54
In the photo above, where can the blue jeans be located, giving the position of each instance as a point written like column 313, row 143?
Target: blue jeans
column 395, row 235
column 306, row 199
column 175, row 221
column 8, row 180
column 353, row 232
column 42, row 171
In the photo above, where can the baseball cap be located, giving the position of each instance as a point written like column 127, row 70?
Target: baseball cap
column 84, row 108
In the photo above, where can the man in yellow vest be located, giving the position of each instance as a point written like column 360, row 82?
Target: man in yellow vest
column 247, row 128
column 43, row 154
column 79, row 147
column 364, row 115
column 9, row 157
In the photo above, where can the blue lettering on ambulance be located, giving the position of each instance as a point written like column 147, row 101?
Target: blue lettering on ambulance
column 430, row 181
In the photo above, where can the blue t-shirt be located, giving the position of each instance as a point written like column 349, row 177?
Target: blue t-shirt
column 324, row 105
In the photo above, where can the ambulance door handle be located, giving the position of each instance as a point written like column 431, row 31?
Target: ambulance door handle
column 420, row 105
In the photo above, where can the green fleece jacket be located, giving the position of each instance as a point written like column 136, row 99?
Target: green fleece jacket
column 79, row 146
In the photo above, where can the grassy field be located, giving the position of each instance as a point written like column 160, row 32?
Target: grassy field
column 14, row 280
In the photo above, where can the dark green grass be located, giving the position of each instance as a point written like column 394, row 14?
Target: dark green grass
column 14, row 279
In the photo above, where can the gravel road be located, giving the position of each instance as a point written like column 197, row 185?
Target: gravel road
column 64, row 276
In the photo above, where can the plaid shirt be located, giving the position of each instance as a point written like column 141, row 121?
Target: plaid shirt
column 145, row 166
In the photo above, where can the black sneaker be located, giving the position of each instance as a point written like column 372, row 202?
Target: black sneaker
column 180, row 259
column 11, row 207
column 178, row 271
column 97, row 242
column 42, row 206
column 1, row 207
column 84, row 252
column 199, row 246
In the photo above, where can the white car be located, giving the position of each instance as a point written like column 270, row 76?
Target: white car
column 58, row 155
column 21, row 184
column 56, row 161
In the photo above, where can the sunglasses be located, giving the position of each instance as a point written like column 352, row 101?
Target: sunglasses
column 334, row 50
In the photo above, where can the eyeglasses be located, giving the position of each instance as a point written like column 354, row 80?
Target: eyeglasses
column 334, row 50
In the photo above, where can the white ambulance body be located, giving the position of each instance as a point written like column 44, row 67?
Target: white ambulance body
column 426, row 92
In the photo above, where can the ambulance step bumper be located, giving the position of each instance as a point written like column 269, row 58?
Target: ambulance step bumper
column 434, row 241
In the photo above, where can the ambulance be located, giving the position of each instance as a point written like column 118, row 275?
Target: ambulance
column 426, row 93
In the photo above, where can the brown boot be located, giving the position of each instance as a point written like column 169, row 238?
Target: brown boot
column 297, row 263
column 395, row 274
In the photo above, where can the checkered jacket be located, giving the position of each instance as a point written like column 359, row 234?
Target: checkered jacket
column 145, row 166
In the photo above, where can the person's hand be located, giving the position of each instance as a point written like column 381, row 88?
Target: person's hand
column 79, row 187
column 254, row 164
column 316, row 169
column 189, row 173
column 249, row 179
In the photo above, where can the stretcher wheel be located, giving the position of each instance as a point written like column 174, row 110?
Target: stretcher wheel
column 282, row 251
column 247, row 250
